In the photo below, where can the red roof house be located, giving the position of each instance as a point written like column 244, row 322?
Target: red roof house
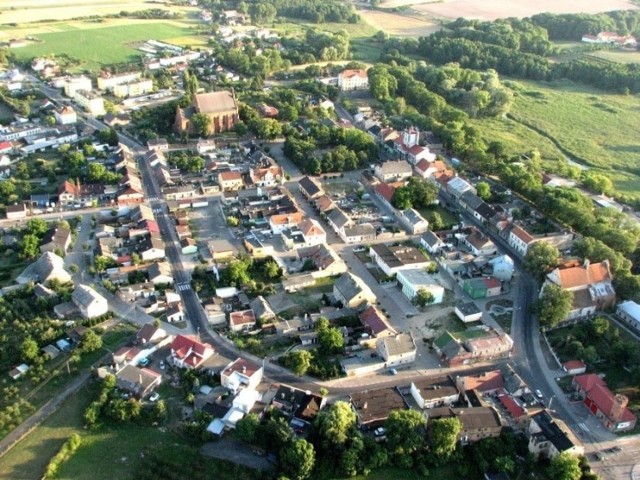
column 188, row 352
column 610, row 408
column 574, row 367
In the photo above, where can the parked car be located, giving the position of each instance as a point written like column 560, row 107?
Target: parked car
column 380, row 431
column 393, row 371
column 154, row 397
column 143, row 362
column 539, row 394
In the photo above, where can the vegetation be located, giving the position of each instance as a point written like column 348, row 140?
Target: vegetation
column 554, row 305
column 541, row 258
column 417, row 193
column 68, row 449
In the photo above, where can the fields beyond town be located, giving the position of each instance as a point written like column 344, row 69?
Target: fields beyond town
column 112, row 43
column 492, row 9
column 591, row 127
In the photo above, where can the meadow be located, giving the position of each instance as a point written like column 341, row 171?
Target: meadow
column 98, row 47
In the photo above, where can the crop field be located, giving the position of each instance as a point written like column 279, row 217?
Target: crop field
column 619, row 56
column 596, row 129
column 492, row 9
column 104, row 46
column 398, row 25
column 12, row 11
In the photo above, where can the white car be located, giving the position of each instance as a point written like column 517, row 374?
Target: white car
column 154, row 397
column 539, row 394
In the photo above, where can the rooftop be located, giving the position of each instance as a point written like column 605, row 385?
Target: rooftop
column 375, row 405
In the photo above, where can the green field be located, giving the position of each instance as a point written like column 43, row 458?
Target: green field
column 620, row 56
column 98, row 47
column 593, row 128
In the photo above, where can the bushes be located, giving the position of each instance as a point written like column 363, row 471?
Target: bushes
column 66, row 452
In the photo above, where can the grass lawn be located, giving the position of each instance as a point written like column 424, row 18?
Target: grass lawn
column 98, row 47
column 620, row 56
column 392, row 473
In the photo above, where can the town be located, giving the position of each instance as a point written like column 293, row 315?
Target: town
column 315, row 272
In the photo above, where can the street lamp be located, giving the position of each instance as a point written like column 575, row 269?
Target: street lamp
column 551, row 401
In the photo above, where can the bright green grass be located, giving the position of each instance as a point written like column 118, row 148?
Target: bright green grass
column 99, row 47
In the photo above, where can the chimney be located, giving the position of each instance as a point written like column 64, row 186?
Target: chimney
column 586, row 263
column 244, row 369
column 618, row 407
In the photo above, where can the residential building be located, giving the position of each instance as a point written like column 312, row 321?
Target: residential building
column 152, row 248
column 280, row 222
column 468, row 312
column 418, row 153
column 310, row 188
column 156, row 146
column 242, row 321
column 230, row 180
column 132, row 89
column 312, row 232
column 487, row 382
column 188, row 246
column 432, row 393
column 90, row 302
column 90, row 101
column 139, row 382
column 188, row 352
column 159, row 273
column 302, row 407
column 220, row 107
column 324, row 204
column 262, row 310
column 372, row 407
column 549, row 436
column 610, row 408
column 629, row 312
column 221, row 249
column 74, row 193
column 393, row 171
column 65, row 115
column 325, row 260
column 150, row 333
column 574, row 367
column 503, row 267
column 466, row 348
column 56, row 239
column 352, row 292
column 477, row 422
column 479, row 243
column 413, row 221
column 338, row 220
column 591, row 284
column 392, row 260
column 48, row 267
column 432, row 170
column 241, row 374
column 15, row 212
column 413, row 281
column 483, row 287
column 375, row 324
column 74, row 84
column 457, row 186
column 520, row 239
column 353, row 80
column 174, row 312
column 361, row 233
column 108, row 81
column 124, row 356
column 266, row 176
column 397, row 350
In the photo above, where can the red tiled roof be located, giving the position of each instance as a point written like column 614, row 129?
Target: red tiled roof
column 491, row 282
column 354, row 73
column 228, row 176
column 188, row 348
column 245, row 367
column 310, row 227
column 286, row 218
column 573, row 364
column 5, row 146
column 244, row 317
column 423, row 165
column 373, row 318
column 522, row 234
column 385, row 191
column 485, row 382
column 581, row 276
column 515, row 410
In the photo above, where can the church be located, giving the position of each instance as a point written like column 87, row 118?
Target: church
column 220, row 107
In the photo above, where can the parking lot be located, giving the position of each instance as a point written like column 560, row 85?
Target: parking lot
column 209, row 223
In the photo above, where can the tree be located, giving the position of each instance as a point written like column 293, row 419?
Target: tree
column 201, row 124
column 275, row 433
column 37, row 226
column 297, row 459
column 298, row 361
column 423, row 298
column 91, row 342
column 271, row 270
column 330, row 340
column 29, row 349
column 554, row 305
column 597, row 183
column 232, row 221
column 541, row 258
column 247, row 428
column 405, row 435
column 30, row 247
column 483, row 190
column 564, row 467
column 444, row 437
column 335, row 423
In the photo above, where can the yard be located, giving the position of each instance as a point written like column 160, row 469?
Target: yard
column 98, row 47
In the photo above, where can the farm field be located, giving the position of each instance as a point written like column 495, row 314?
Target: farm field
column 399, row 25
column 107, row 45
column 39, row 10
column 595, row 128
column 492, row 9
column 619, row 56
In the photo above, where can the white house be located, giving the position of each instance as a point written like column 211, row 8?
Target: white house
column 65, row 115
column 393, row 259
column 413, row 221
column 416, row 280
column 520, row 240
column 629, row 312
column 397, row 349
column 90, row 302
column 431, row 242
column 241, row 374
column 353, row 80
column 393, row 171
column 312, row 232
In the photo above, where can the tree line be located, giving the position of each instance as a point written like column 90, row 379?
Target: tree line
column 572, row 26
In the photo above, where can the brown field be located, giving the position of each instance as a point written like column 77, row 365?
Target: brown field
column 398, row 25
column 492, row 9
column 23, row 11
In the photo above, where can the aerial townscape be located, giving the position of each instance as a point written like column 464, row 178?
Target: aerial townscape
column 319, row 239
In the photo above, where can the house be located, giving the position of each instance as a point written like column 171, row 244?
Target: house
column 611, row 409
column 156, row 145
column 517, row 412
column 431, row 242
column 266, row 176
column 468, row 312
column 574, row 367
column 188, row 352
column 90, row 302
column 355, row 79
column 629, row 312
column 392, row 260
column 280, row 222
column 477, row 422
column 375, row 324
column 432, row 170
column 220, row 107
column 397, row 350
column 310, row 188
column 591, row 284
column 324, row 203
column 550, row 437
column 188, row 246
column 92, row 102
column 324, row 259
column 107, row 81
column 372, row 407
column 392, row 171
column 479, row 243
column 17, row 372
column 361, row 233
column 413, row 221
column 338, row 220
column 241, row 374
column 139, row 382
column 152, row 248
column 124, row 356
column 302, row 407
column 520, row 240
column 486, row 382
column 432, row 393
column 159, row 273
column 312, row 232
column 70, row 192
column 150, row 333
column 384, row 192
column 483, row 287
column 242, row 321
column 65, row 115
column 472, row 346
column 16, row 212
column 457, row 186
column 503, row 267
column 56, row 239
column 418, row 153
column 262, row 310
column 256, row 248
column 221, row 249
column 174, row 312
column 352, row 292
column 416, row 280
column 48, row 267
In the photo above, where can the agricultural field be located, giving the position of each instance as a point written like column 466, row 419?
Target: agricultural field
column 619, row 56
column 97, row 47
column 492, row 9
column 595, row 128
column 399, row 25
column 40, row 10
